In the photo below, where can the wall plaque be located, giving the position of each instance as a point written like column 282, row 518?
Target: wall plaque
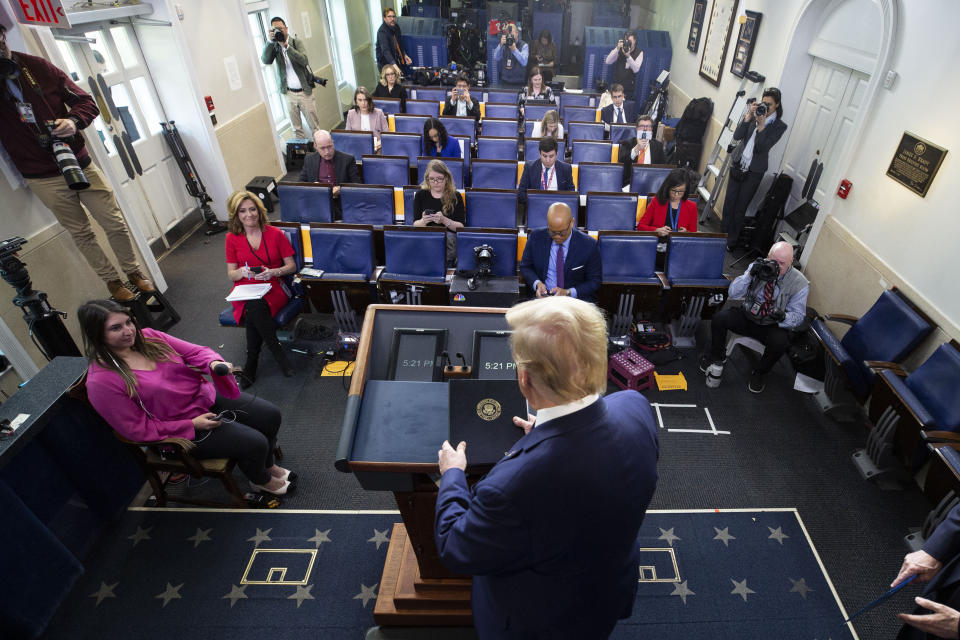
column 915, row 163
column 718, row 35
column 696, row 24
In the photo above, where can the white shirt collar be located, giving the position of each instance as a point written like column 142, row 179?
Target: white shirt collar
column 552, row 413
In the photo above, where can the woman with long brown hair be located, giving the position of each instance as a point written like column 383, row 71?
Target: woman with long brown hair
column 437, row 203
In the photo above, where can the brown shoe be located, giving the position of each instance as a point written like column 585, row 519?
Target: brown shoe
column 119, row 292
column 141, row 282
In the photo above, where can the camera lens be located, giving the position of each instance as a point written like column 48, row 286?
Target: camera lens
column 69, row 166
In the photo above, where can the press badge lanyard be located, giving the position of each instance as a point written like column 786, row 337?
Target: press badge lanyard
column 674, row 217
column 263, row 243
column 545, row 178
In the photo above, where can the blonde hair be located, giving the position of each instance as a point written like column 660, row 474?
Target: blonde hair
column 562, row 343
column 550, row 117
column 233, row 205
column 449, row 188
column 383, row 74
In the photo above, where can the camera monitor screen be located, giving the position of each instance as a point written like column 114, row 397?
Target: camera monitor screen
column 492, row 359
column 415, row 355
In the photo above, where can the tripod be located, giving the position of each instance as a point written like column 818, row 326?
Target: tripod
column 194, row 184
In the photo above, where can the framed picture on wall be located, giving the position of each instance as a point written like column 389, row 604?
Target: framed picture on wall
column 696, row 24
column 746, row 40
column 718, row 35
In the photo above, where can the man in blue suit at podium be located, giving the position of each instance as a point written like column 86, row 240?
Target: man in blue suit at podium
column 550, row 533
column 561, row 260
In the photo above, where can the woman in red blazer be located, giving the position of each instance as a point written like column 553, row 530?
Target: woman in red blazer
column 669, row 210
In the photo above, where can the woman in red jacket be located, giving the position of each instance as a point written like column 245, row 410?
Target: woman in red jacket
column 669, row 210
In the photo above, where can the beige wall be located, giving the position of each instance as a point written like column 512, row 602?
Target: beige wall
column 249, row 130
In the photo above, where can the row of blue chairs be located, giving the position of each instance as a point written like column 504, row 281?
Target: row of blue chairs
column 493, row 208
column 531, row 112
column 501, row 96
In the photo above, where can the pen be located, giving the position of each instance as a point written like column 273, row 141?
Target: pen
column 246, row 265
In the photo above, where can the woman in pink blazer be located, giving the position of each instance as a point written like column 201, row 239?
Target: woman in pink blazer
column 365, row 117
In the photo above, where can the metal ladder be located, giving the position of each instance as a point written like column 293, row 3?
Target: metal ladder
column 718, row 171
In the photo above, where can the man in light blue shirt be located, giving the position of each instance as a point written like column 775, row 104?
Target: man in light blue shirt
column 512, row 58
column 774, row 303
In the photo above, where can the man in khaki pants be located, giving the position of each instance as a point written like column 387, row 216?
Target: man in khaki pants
column 296, row 80
column 33, row 93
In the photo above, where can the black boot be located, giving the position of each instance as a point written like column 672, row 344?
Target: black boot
column 281, row 357
column 249, row 374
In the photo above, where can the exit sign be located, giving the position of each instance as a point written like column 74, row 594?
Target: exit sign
column 41, row 13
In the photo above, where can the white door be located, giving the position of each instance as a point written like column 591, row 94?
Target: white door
column 159, row 195
column 831, row 99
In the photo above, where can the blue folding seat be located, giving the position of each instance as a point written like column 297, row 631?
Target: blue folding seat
column 578, row 114
column 592, row 151
column 501, row 96
column 497, row 148
column 409, row 122
column 465, row 127
column 455, row 165
column 415, row 266
column 392, row 170
column 585, row 131
column 389, row 106
column 538, row 202
column 494, row 174
column 436, row 94
column 694, row 272
column 367, row 204
column 629, row 276
column 408, row 194
column 492, row 208
column 429, row 108
column 531, row 149
column 600, row 176
column 345, row 254
column 611, row 211
column 578, row 100
column 499, row 127
column 534, row 112
column 644, row 179
column 409, row 145
column 303, row 202
column 621, row 131
column 356, row 143
column 504, row 245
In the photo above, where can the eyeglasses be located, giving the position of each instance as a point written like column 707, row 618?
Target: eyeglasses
column 389, row 73
column 390, row 15
column 560, row 233
column 437, row 179
column 679, row 191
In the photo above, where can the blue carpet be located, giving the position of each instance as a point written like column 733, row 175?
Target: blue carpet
column 182, row 573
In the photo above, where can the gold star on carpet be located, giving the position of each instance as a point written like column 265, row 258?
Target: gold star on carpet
column 777, row 534
column 366, row 593
column 261, row 536
column 667, row 534
column 741, row 588
column 140, row 535
column 202, row 535
column 104, row 592
column 236, row 593
column 723, row 535
column 683, row 591
column 303, row 593
column 379, row 537
column 171, row 593
column 321, row 536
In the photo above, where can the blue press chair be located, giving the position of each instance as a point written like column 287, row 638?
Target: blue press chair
column 408, row 194
column 367, row 204
column 392, row 170
column 491, row 208
column 494, row 174
column 345, row 253
column 531, row 149
column 534, row 112
column 538, row 202
column 497, row 148
column 600, row 176
column 585, row 131
column 578, row 114
column 455, row 165
column 415, row 266
column 504, row 245
column 408, row 145
column 694, row 272
column 592, row 151
column 389, row 106
column 304, row 202
column 611, row 211
column 436, row 94
column 356, row 143
column 620, row 132
column 501, row 96
column 429, row 108
column 408, row 123
column 499, row 127
column 465, row 127
column 578, row 100
column 645, row 179
column 501, row 111
column 630, row 282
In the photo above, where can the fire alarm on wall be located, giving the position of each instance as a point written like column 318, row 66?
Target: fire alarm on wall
column 844, row 189
column 209, row 101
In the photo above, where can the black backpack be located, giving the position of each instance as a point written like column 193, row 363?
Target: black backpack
column 693, row 122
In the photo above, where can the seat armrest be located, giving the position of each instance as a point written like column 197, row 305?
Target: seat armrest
column 663, row 279
column 841, row 317
column 879, row 365
column 940, row 437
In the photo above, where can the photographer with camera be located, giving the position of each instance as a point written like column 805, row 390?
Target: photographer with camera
column 460, row 102
column 627, row 60
column 42, row 113
column 760, row 129
column 511, row 57
column 774, row 298
column 389, row 48
column 295, row 76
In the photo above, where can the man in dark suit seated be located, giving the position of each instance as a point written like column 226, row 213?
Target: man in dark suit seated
column 550, row 533
column 938, row 562
column 561, row 260
column 642, row 149
column 620, row 111
column 546, row 173
column 460, row 102
column 329, row 166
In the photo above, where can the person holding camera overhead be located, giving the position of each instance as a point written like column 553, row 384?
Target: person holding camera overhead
column 511, row 56
column 295, row 77
column 774, row 296
column 760, row 129
column 438, row 204
column 627, row 60
column 461, row 103
column 41, row 108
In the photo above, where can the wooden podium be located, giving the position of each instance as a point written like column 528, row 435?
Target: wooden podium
column 391, row 433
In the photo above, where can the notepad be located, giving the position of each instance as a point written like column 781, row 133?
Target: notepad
column 248, row 292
